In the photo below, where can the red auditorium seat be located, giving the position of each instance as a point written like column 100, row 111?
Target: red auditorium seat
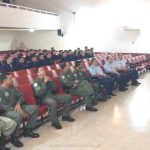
column 23, row 80
column 28, row 93
column 49, row 74
column 31, row 71
column 58, row 83
column 58, row 72
column 15, row 82
column 46, row 68
column 54, row 73
column 30, row 99
column 55, row 66
column 20, row 73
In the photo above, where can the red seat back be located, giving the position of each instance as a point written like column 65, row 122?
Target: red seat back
column 28, row 93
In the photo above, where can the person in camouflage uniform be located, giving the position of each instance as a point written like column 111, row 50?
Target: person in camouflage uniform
column 13, row 104
column 76, row 87
column 80, row 73
column 46, row 93
column 7, row 127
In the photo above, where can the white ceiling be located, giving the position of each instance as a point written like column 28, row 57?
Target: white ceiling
column 59, row 5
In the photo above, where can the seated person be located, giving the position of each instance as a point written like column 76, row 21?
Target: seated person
column 80, row 73
column 7, row 127
column 117, row 66
column 46, row 93
column 14, row 106
column 77, row 88
column 111, row 70
column 97, row 73
column 133, row 73
column 8, row 65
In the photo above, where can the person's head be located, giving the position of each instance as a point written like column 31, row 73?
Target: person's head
column 94, row 62
column 40, row 72
column 92, row 49
column 64, row 54
column 65, row 66
column 6, row 79
column 9, row 59
column 53, row 52
column 78, row 49
column 41, row 57
column 86, row 48
column 48, row 55
column 1, row 58
column 78, row 64
column 34, row 59
column 120, row 56
column 70, row 52
column 115, row 57
column 21, row 60
column 76, row 52
column 109, row 59
column 60, row 52
column 52, row 48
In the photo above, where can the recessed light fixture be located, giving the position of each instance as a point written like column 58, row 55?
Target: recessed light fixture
column 31, row 30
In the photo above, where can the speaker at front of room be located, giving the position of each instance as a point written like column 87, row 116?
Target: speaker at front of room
column 59, row 33
column 6, row 1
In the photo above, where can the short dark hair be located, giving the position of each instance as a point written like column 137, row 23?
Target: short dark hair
column 63, row 65
column 107, row 57
column 3, row 76
column 77, row 63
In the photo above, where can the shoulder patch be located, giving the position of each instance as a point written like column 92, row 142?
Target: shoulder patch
column 75, row 75
column 6, row 94
column 35, row 84
column 63, row 77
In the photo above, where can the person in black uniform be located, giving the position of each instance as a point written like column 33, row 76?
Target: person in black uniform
column 64, row 57
column 48, row 59
column 21, row 65
column 8, row 66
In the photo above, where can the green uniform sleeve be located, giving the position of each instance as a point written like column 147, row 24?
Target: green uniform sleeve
column 39, row 88
column 66, row 82
column 20, row 97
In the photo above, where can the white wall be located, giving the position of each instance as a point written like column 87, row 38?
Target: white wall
column 99, row 23
column 9, row 40
column 19, row 18
column 26, row 40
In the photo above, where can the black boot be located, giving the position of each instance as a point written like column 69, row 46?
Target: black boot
column 135, row 84
column 2, row 144
column 68, row 118
column 30, row 133
column 16, row 142
column 94, row 103
column 56, row 125
column 91, row 109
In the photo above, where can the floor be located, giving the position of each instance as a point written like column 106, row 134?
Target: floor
column 122, row 123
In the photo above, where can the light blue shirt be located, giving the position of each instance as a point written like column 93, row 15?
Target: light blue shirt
column 109, row 67
column 94, row 70
column 122, row 64
column 116, row 64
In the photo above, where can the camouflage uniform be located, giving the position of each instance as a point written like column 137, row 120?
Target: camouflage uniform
column 46, row 94
column 83, row 89
column 9, row 97
column 7, row 126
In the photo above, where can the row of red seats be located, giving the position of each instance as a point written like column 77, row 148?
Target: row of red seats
column 24, row 78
